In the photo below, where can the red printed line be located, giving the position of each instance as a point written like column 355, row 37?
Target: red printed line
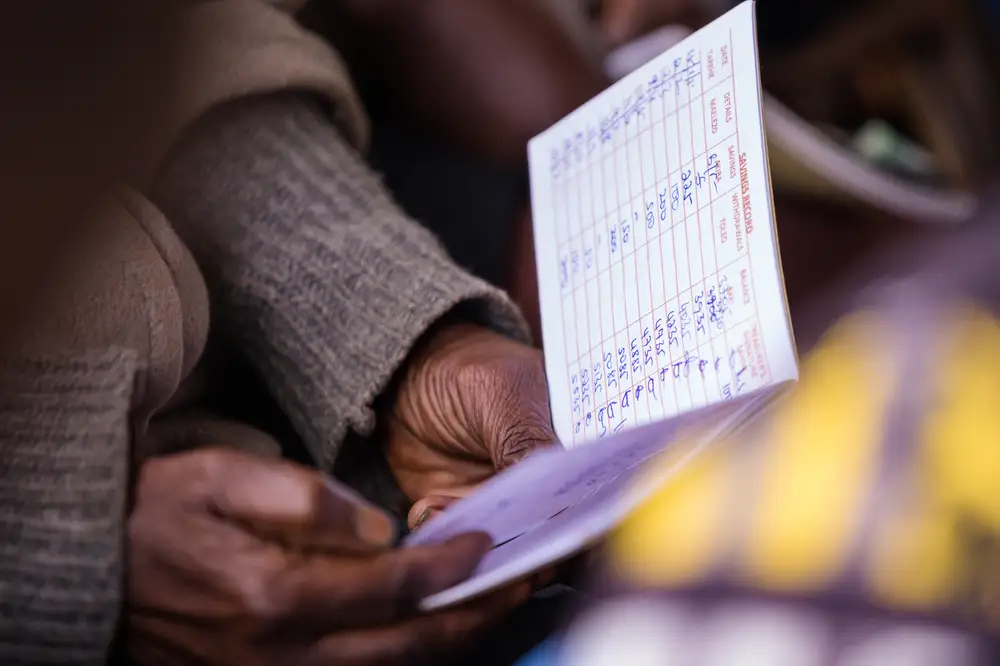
column 611, row 217
column 650, row 129
column 736, row 106
column 562, row 309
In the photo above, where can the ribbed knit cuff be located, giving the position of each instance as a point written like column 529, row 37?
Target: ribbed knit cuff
column 313, row 271
column 63, row 491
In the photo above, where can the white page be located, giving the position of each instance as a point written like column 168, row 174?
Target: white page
column 558, row 501
column 715, row 333
column 659, row 277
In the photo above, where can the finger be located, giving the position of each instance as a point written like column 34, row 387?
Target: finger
column 281, row 501
column 299, row 506
column 378, row 590
column 420, row 639
column 425, row 509
column 518, row 418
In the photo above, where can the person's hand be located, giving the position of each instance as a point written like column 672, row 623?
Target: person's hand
column 245, row 561
column 624, row 20
column 471, row 402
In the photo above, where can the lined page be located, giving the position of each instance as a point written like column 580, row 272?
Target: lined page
column 659, row 277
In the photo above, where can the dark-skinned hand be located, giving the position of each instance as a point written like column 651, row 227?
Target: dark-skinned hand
column 242, row 561
column 472, row 402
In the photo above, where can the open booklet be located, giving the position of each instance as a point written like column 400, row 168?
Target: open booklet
column 664, row 317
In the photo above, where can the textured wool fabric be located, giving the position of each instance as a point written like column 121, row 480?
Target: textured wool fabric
column 313, row 271
column 63, row 496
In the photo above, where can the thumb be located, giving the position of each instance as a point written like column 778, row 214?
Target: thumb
column 296, row 506
column 518, row 421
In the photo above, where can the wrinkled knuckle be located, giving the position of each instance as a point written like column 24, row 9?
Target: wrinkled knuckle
column 503, row 383
column 516, row 441
column 478, row 377
column 527, row 375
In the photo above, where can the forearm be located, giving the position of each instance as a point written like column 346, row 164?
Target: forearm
column 64, row 456
column 315, row 275
column 485, row 75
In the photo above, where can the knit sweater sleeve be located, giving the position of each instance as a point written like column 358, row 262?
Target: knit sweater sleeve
column 313, row 272
column 64, row 452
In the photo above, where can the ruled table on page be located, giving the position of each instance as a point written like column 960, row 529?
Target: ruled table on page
column 659, row 277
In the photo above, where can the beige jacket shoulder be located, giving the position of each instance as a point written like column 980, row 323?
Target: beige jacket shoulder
column 133, row 285
column 235, row 48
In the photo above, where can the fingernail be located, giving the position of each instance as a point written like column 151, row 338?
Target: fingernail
column 424, row 517
column 427, row 508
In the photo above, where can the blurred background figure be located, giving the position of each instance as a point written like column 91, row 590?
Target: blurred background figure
column 76, row 115
column 879, row 113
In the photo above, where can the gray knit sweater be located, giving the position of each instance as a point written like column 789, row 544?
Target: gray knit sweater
column 63, row 492
column 314, row 274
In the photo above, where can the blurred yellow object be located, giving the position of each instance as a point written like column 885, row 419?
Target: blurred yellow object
column 675, row 538
column 877, row 474
column 942, row 546
column 818, row 457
